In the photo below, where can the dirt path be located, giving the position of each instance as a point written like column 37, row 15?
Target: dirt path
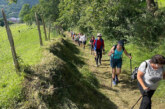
column 125, row 94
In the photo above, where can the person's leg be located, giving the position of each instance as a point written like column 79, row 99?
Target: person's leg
column 81, row 43
column 119, row 65
column 146, row 101
column 150, row 94
column 100, row 56
column 113, row 73
column 84, row 44
column 96, row 57
column 113, row 65
column 117, row 75
column 118, row 71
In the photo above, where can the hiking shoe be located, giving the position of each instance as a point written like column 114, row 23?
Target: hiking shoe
column 114, row 82
column 96, row 65
column 116, row 79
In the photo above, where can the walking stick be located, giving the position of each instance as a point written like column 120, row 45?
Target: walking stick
column 112, row 69
column 136, row 102
column 111, row 78
column 131, row 66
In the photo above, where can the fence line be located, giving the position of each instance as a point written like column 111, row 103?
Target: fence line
column 20, row 47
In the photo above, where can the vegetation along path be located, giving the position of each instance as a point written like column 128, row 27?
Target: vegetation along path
column 125, row 94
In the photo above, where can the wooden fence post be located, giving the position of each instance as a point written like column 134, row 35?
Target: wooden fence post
column 39, row 31
column 44, row 27
column 10, row 38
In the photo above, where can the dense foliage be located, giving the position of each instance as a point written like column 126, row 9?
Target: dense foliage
column 134, row 20
column 12, row 10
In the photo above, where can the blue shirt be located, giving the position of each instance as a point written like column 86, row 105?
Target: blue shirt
column 117, row 54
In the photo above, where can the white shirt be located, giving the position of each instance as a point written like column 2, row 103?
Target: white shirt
column 151, row 76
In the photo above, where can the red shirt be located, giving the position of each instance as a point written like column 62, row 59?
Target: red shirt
column 99, row 44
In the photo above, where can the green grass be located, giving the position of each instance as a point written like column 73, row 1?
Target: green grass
column 161, row 3
column 29, row 52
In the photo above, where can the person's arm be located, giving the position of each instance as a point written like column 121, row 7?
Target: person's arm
column 111, row 51
column 127, row 54
column 140, row 80
column 94, row 42
column 103, row 45
column 90, row 42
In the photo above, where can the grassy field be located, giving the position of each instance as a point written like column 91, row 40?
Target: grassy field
column 161, row 3
column 29, row 52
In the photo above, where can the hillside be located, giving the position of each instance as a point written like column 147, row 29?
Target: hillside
column 12, row 10
column 66, row 78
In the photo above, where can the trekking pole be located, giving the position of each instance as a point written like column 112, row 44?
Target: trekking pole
column 131, row 66
column 111, row 79
column 112, row 69
column 136, row 102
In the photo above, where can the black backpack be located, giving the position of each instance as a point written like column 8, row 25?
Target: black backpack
column 134, row 73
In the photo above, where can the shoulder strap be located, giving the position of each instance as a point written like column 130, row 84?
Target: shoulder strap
column 115, row 46
column 123, row 48
column 146, row 65
column 95, row 43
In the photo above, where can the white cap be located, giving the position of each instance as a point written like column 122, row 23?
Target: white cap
column 99, row 34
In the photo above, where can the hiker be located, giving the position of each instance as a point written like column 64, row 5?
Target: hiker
column 98, row 48
column 116, row 60
column 149, row 74
column 91, row 42
column 75, row 36
column 83, row 38
column 77, row 39
column 80, row 40
column 72, row 33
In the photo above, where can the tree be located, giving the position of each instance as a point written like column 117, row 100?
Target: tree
column 24, row 11
column 151, row 5
column 11, row 1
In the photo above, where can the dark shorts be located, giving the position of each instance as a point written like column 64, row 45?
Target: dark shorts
column 116, row 63
column 92, row 47
column 84, row 42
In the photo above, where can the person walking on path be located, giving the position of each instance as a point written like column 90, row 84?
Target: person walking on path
column 83, row 38
column 116, row 60
column 91, row 43
column 149, row 74
column 98, row 48
column 80, row 40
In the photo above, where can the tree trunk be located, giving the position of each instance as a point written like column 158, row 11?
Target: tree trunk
column 49, row 31
column 150, row 4
column 39, row 31
column 44, row 28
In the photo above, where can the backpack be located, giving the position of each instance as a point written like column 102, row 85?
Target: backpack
column 134, row 73
column 95, row 47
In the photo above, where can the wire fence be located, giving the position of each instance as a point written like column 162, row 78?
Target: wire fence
column 26, row 40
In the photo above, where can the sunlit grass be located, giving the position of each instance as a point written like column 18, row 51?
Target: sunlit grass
column 29, row 52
